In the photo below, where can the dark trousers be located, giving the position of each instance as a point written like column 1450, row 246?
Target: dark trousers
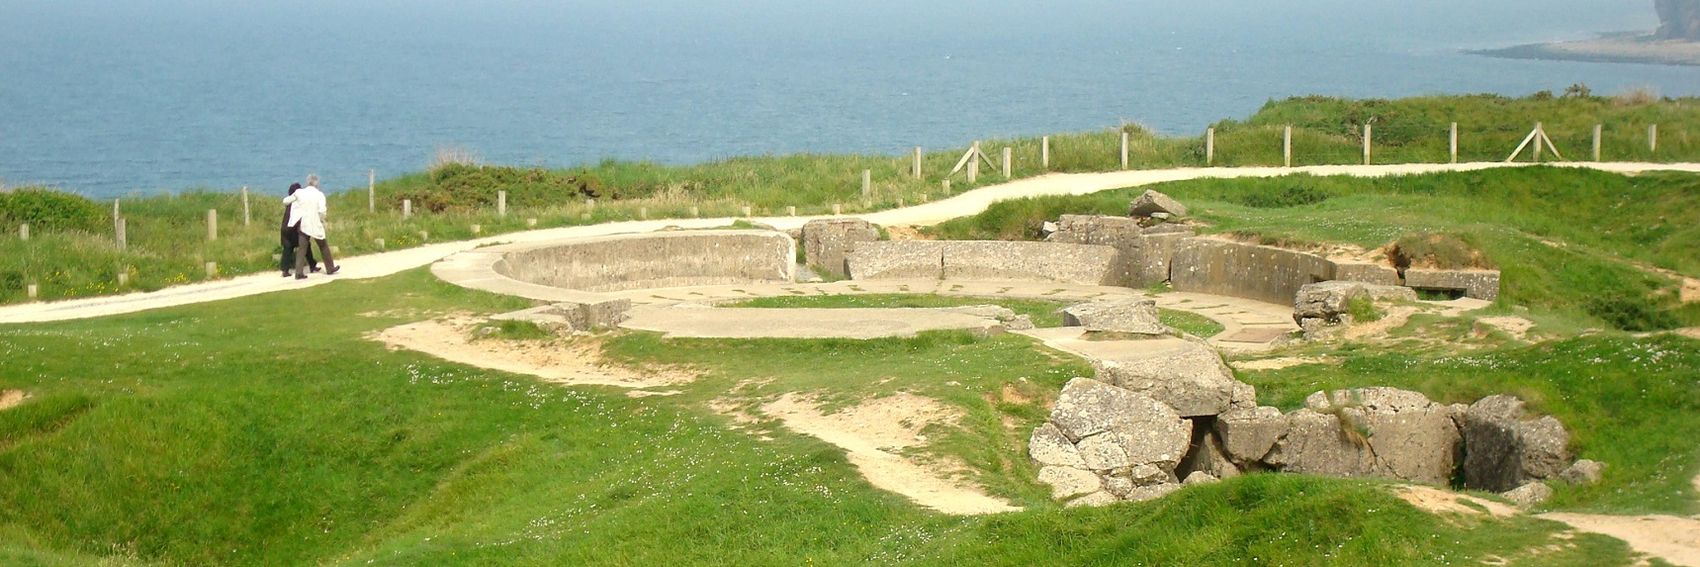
column 286, row 260
column 301, row 253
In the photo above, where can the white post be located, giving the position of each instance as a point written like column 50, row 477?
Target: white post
column 695, row 212
column 406, row 208
column 212, row 224
column 424, row 235
column 837, row 209
column 477, row 229
column 1368, row 133
column 1452, row 141
column 643, row 213
column 791, row 211
column 24, row 231
column 1539, row 131
column 1598, row 129
column 1008, row 157
column 115, row 213
column 1210, row 146
column 31, row 291
column 867, row 183
column 212, row 269
column 119, row 233
column 123, row 278
column 946, row 186
column 915, row 169
column 974, row 164
column 501, row 203
column 531, row 223
column 1124, row 149
column 1652, row 137
column 247, row 219
column 1045, row 153
column 1287, row 146
column 747, row 212
column 379, row 242
column 590, row 203
column 371, row 190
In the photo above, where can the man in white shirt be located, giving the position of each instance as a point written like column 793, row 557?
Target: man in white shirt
column 307, row 214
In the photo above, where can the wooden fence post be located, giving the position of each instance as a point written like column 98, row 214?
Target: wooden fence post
column 1653, row 137
column 1538, row 132
column 247, row 216
column 379, row 242
column 123, row 277
column 748, row 213
column 371, row 190
column 119, row 233
column 837, row 209
column 406, row 208
column 1209, row 146
column 24, row 231
column 477, row 229
column 501, row 203
column 32, row 291
column 1598, row 130
column 1124, row 149
column 1368, row 135
column 212, row 224
column 946, row 186
column 531, row 222
column 695, row 212
column 1008, row 156
column 1287, row 146
column 915, row 168
column 1045, row 153
column 212, row 269
column 1452, row 141
column 791, row 211
column 867, row 183
column 974, row 164
column 643, row 213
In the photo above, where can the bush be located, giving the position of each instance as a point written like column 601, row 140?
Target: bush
column 49, row 209
column 1290, row 196
column 1632, row 313
column 1439, row 251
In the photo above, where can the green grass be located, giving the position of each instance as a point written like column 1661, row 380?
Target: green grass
column 511, row 331
column 167, row 244
column 1630, row 402
column 1190, row 323
column 1566, row 241
column 219, row 434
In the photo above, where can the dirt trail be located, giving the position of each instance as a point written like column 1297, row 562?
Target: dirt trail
column 1436, row 501
column 874, row 433
column 1671, row 538
column 576, row 363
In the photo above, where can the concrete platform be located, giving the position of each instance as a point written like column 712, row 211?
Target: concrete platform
column 696, row 321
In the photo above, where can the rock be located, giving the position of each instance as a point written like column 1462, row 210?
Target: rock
column 1136, row 316
column 1199, row 477
column 1380, row 432
column 1161, row 216
column 1020, row 323
column 1248, row 435
column 1048, row 446
column 1476, row 284
column 827, row 242
column 1190, row 377
column 1144, row 493
column 1047, row 228
column 1506, row 450
column 1583, row 472
column 1529, row 495
column 1005, row 315
column 1330, row 300
column 1068, row 482
column 1146, row 430
column 1242, row 396
column 1207, row 456
column 1153, row 202
column 1118, row 486
column 1145, row 475
column 1095, row 499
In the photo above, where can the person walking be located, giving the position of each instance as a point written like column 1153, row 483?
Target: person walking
column 307, row 214
column 290, row 237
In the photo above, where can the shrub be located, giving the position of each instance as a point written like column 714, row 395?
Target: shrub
column 1632, row 313
column 1439, row 251
column 49, row 209
column 1362, row 309
column 1290, row 196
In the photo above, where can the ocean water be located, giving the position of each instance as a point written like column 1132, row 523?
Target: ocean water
column 109, row 98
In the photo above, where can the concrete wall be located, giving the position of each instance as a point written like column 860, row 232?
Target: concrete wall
column 654, row 260
column 984, row 260
column 1251, row 271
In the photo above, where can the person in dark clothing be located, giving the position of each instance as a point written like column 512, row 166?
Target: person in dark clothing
column 291, row 238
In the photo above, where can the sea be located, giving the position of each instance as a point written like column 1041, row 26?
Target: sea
column 110, row 98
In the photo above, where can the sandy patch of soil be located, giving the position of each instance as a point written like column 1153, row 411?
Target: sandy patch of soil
column 12, row 398
column 1396, row 316
column 874, row 434
column 1517, row 327
column 1690, row 290
column 1277, row 363
column 1670, row 538
column 578, row 362
column 1691, row 332
column 1437, row 501
column 905, row 233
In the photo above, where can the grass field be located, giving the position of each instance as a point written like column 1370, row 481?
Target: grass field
column 167, row 234
column 1573, row 245
column 220, row 434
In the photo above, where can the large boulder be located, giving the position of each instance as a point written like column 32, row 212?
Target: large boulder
column 827, row 242
column 1190, row 377
column 1133, row 316
column 1048, row 446
column 1381, row 432
column 1119, row 428
column 1069, row 482
column 1330, row 301
column 1507, row 449
column 1248, row 434
column 1151, row 202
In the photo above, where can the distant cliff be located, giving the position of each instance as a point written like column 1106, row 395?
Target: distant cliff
column 1678, row 19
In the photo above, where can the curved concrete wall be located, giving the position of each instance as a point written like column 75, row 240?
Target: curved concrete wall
column 984, row 260
column 654, row 260
column 1251, row 271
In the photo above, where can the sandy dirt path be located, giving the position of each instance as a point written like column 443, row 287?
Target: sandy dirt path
column 972, row 202
column 873, row 435
column 1671, row 538
column 554, row 362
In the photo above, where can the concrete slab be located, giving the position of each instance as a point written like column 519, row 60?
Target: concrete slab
column 685, row 321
